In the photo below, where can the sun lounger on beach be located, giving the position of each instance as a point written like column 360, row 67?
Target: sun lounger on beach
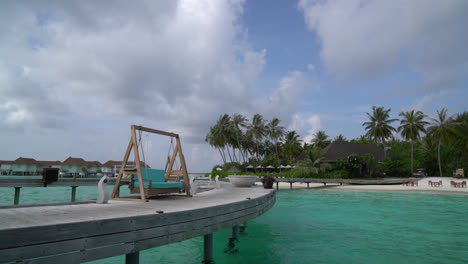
column 458, row 184
column 410, row 183
column 435, row 184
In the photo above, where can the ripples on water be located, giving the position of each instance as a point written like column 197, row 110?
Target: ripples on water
column 323, row 226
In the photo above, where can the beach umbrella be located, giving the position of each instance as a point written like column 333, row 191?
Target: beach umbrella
column 281, row 166
column 250, row 167
column 259, row 167
column 287, row 167
column 270, row 167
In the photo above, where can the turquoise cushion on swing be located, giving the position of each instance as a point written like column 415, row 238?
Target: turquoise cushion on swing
column 158, row 179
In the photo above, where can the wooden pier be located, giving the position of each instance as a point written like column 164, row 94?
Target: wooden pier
column 338, row 181
column 84, row 232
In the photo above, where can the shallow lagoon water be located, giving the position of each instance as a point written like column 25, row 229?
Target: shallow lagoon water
column 321, row 226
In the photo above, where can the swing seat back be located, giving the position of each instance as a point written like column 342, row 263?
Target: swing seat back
column 158, row 180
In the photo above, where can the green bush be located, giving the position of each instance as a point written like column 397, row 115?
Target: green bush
column 302, row 172
column 394, row 168
column 337, row 174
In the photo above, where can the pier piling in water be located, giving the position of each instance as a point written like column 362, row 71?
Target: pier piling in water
column 17, row 195
column 73, row 193
column 235, row 232
column 208, row 249
column 243, row 227
column 132, row 258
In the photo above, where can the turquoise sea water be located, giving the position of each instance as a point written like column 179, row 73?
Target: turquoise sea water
column 326, row 226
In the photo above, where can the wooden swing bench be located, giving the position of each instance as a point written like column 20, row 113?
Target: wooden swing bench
column 152, row 182
column 155, row 183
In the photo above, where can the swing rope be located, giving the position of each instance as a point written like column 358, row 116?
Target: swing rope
column 171, row 150
column 168, row 156
column 142, row 152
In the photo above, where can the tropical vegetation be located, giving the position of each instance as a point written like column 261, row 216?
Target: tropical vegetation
column 439, row 145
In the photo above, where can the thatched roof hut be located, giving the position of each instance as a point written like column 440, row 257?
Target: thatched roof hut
column 342, row 149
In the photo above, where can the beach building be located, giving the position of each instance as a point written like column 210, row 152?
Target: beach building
column 40, row 165
column 74, row 166
column 342, row 149
column 24, row 166
column 69, row 167
column 5, row 167
column 108, row 168
column 94, row 167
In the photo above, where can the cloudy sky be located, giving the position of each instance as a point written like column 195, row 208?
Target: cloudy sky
column 74, row 75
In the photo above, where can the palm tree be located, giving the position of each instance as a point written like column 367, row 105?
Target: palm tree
column 320, row 139
column 292, row 144
column 257, row 129
column 443, row 130
column 213, row 138
column 222, row 131
column 462, row 120
column 238, row 121
column 411, row 124
column 379, row 128
column 340, row 137
column 275, row 132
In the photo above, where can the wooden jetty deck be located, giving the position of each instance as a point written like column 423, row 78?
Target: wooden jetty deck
column 338, row 181
column 84, row 232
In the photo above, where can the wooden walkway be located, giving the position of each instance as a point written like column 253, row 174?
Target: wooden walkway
column 85, row 232
column 338, row 181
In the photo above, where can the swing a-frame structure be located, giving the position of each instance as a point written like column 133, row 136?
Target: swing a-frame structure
column 149, row 182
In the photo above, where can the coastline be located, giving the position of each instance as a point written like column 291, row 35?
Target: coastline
column 423, row 187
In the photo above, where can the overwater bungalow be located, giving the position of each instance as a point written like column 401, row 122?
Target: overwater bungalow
column 69, row 167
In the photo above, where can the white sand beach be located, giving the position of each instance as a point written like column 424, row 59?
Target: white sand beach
column 423, row 186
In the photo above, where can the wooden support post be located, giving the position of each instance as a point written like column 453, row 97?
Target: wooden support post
column 122, row 168
column 132, row 258
column 324, row 184
column 290, row 185
column 341, row 183
column 208, row 249
column 235, row 232
column 277, row 188
column 138, row 165
column 184, row 167
column 73, row 193
column 17, row 195
column 243, row 227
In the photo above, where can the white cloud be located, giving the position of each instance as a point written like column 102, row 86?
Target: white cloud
column 315, row 124
column 283, row 101
column 165, row 61
column 93, row 68
column 307, row 125
column 363, row 39
column 86, row 66
column 428, row 102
